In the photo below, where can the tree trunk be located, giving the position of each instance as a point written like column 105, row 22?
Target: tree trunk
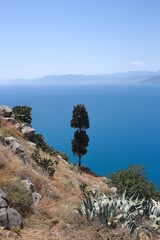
column 79, row 162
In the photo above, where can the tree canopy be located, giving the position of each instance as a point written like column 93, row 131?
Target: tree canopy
column 23, row 113
column 80, row 117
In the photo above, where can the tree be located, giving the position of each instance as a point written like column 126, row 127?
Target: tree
column 80, row 121
column 23, row 113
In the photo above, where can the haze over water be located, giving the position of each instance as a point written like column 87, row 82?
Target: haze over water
column 124, row 120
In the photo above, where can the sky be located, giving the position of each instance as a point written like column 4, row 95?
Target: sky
column 45, row 37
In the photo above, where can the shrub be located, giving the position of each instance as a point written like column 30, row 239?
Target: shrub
column 20, row 197
column 41, row 143
column 45, row 163
column 23, row 113
column 134, row 181
column 83, row 187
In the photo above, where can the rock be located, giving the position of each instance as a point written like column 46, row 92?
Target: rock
column 9, row 217
column 10, row 120
column 21, row 125
column 14, row 218
column 5, row 111
column 31, row 144
column 3, row 203
column 22, row 156
column 114, row 189
column 17, row 148
column 36, row 198
column 14, row 144
column 4, row 197
column 1, row 138
column 29, row 185
column 18, row 126
column 29, row 132
column 3, row 217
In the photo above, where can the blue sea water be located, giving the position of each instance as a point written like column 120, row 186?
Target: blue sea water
column 124, row 122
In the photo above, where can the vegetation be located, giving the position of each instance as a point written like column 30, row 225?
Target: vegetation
column 0, row 122
column 113, row 213
column 80, row 121
column 134, row 181
column 41, row 143
column 23, row 114
column 20, row 197
column 83, row 186
column 45, row 163
column 79, row 144
column 64, row 156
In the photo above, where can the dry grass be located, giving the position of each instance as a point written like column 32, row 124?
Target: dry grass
column 54, row 218
column 8, row 129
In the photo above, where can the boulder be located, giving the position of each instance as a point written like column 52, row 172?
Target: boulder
column 21, row 125
column 14, row 144
column 3, row 203
column 1, row 138
column 36, row 198
column 31, row 144
column 29, row 133
column 9, row 217
column 17, row 148
column 4, row 197
column 9, row 119
column 5, row 111
column 22, row 156
column 14, row 218
column 3, row 217
column 29, row 185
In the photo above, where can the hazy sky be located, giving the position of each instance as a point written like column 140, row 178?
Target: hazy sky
column 42, row 37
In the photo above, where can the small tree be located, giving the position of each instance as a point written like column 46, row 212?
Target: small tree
column 23, row 113
column 80, row 120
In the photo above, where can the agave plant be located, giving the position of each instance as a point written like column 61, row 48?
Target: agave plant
column 121, row 211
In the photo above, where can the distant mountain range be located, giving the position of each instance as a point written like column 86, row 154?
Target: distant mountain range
column 133, row 77
column 155, row 80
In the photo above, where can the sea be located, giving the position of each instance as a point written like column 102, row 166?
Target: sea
column 124, row 122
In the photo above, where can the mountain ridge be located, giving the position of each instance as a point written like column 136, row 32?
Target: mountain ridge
column 130, row 77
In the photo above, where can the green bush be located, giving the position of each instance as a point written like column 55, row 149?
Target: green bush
column 45, row 163
column 83, row 187
column 134, row 181
column 23, row 114
column 41, row 143
column 20, row 197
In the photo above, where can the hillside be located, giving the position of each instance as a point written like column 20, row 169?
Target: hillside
column 44, row 197
column 54, row 217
